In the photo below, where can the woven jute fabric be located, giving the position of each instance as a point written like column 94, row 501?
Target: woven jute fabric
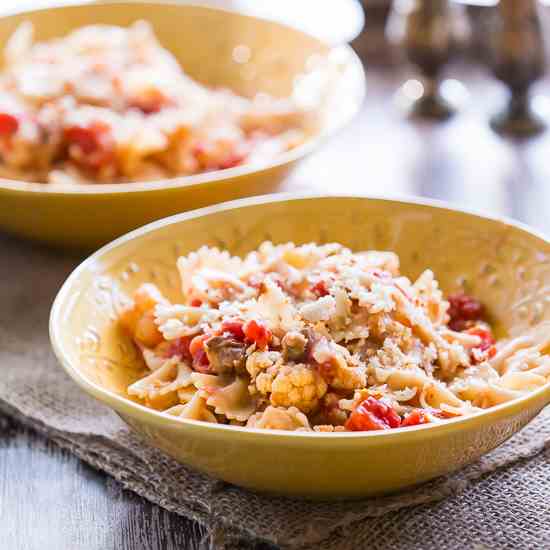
column 502, row 501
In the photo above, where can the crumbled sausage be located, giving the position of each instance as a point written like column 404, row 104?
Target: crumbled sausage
column 225, row 354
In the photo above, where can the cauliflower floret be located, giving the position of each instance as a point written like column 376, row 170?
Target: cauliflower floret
column 293, row 385
column 264, row 380
column 259, row 361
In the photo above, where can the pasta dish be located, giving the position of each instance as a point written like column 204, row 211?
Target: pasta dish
column 317, row 337
column 109, row 104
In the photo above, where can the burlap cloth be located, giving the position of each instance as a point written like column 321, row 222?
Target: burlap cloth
column 502, row 501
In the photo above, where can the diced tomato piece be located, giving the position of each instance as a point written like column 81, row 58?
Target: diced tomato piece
column 231, row 161
column 195, row 302
column 200, row 361
column 208, row 155
column 198, row 353
column 362, row 420
column 320, row 289
column 438, row 413
column 414, row 418
column 464, row 308
column 8, row 125
column 94, row 145
column 197, row 343
column 84, row 138
column 487, row 340
column 372, row 414
column 487, row 345
column 180, row 346
column 257, row 333
column 235, row 328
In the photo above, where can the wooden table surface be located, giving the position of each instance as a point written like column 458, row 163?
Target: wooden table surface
column 51, row 501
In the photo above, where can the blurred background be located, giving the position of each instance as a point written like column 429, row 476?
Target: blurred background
column 457, row 99
column 479, row 154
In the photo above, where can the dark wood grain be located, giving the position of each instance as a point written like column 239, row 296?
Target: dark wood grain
column 51, row 501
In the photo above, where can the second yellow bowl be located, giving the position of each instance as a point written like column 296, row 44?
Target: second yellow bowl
column 202, row 39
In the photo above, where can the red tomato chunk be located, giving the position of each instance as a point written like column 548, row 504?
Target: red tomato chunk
column 180, row 347
column 235, row 328
column 84, row 138
column 320, row 289
column 372, row 414
column 196, row 349
column 93, row 145
column 8, row 125
column 231, row 161
column 415, row 418
column 487, row 340
column 257, row 333
column 463, row 308
column 200, row 362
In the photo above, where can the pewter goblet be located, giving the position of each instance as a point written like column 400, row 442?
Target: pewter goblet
column 430, row 31
column 516, row 57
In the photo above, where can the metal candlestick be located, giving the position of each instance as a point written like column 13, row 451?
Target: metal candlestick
column 516, row 56
column 430, row 32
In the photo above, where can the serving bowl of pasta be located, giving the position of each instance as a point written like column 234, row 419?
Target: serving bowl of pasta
column 115, row 114
column 319, row 346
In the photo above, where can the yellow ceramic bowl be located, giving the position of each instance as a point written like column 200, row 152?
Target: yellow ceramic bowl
column 504, row 264
column 203, row 40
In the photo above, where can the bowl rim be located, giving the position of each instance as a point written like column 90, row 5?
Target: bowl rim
column 216, row 176
column 118, row 402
